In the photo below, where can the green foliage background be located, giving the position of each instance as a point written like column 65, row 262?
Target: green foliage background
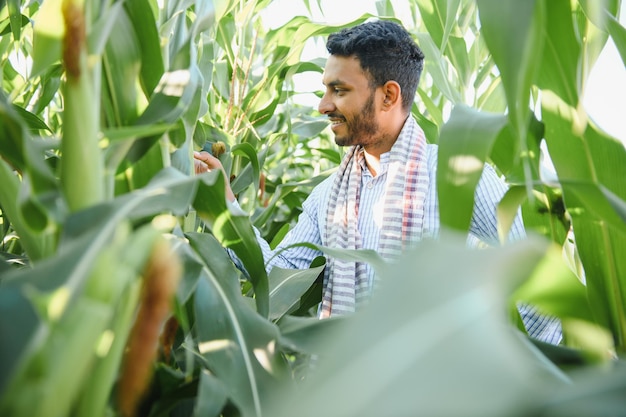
column 96, row 166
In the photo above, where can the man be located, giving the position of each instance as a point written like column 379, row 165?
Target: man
column 383, row 196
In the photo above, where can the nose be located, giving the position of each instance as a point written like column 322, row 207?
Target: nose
column 326, row 104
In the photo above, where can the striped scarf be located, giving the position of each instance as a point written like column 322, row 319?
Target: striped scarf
column 346, row 283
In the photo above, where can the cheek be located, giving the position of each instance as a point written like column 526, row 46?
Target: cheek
column 348, row 109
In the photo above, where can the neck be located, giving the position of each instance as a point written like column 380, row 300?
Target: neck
column 373, row 151
column 372, row 162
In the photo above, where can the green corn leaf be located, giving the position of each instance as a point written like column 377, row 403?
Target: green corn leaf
column 588, row 161
column 174, row 95
column 561, row 54
column 9, row 28
column 145, row 26
column 592, row 19
column 280, row 194
column 143, row 170
column 595, row 201
column 222, row 7
column 233, row 231
column 618, row 34
column 378, row 362
column 129, row 133
column 306, row 334
column 247, row 150
column 212, row 395
column 103, row 28
column 464, row 144
column 508, row 209
column 432, row 109
column 435, row 65
column 287, row 287
column 50, row 83
column 13, row 133
column 555, row 289
column 431, row 129
column 235, row 342
column 493, row 100
column 121, row 66
column 546, row 214
column 121, row 139
column 15, row 17
column 510, row 160
column 512, row 30
column 49, row 30
column 309, row 128
column 438, row 17
column 457, row 53
column 34, row 122
column 34, row 203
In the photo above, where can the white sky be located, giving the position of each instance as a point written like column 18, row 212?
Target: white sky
column 604, row 96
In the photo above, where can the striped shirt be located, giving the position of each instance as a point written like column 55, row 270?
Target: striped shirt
column 311, row 224
column 313, row 218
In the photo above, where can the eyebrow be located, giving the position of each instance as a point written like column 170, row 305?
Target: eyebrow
column 334, row 83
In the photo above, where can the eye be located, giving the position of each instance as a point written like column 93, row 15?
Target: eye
column 339, row 91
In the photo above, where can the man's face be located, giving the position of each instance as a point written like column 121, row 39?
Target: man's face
column 349, row 102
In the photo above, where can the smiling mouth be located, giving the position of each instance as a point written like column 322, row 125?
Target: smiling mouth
column 335, row 125
column 337, row 121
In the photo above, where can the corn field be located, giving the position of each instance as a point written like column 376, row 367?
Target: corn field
column 118, row 296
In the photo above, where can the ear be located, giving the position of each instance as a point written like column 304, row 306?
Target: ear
column 392, row 95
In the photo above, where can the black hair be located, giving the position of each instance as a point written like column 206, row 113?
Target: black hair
column 386, row 51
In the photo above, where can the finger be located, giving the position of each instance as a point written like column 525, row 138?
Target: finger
column 201, row 156
column 211, row 161
column 207, row 158
column 200, row 167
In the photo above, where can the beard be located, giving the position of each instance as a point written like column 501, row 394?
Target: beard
column 362, row 128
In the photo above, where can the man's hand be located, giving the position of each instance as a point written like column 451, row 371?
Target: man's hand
column 205, row 162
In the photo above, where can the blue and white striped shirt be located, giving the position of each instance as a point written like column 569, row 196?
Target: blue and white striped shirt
column 312, row 220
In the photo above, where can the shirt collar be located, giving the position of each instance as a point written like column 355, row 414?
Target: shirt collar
column 384, row 161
